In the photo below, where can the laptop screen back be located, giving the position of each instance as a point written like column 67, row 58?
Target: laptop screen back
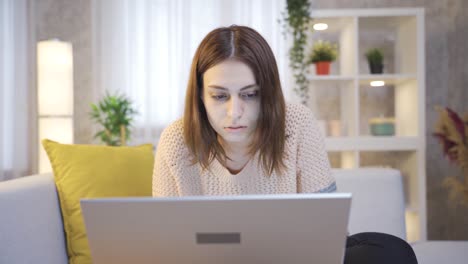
column 299, row 228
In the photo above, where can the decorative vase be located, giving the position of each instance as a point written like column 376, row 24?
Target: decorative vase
column 375, row 68
column 334, row 128
column 381, row 126
column 322, row 67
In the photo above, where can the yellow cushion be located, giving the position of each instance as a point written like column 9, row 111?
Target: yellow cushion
column 95, row 171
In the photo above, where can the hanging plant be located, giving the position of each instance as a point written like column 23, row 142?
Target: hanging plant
column 296, row 22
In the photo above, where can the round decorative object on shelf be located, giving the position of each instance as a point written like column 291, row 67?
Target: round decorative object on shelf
column 381, row 126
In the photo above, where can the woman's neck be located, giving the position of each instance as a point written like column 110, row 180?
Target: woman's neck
column 235, row 148
column 238, row 155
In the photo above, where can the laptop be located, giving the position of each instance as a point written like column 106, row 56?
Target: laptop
column 247, row 229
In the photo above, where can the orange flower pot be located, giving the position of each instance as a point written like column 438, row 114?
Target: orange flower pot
column 322, row 67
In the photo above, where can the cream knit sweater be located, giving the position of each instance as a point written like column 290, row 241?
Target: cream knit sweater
column 307, row 165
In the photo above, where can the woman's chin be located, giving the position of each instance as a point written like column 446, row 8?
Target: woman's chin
column 236, row 139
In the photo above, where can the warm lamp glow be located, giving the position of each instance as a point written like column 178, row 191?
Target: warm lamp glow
column 377, row 83
column 55, row 78
column 412, row 220
column 320, row 26
column 54, row 95
column 55, row 128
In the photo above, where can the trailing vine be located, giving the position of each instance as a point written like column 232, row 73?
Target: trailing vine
column 297, row 21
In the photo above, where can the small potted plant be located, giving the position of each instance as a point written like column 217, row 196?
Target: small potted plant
column 323, row 53
column 375, row 59
column 115, row 114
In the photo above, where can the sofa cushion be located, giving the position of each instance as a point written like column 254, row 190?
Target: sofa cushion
column 90, row 171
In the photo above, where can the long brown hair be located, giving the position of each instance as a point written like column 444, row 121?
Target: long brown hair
column 247, row 45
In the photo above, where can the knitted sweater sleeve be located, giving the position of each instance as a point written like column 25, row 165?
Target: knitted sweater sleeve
column 164, row 183
column 313, row 167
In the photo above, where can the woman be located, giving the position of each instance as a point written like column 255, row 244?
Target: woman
column 238, row 136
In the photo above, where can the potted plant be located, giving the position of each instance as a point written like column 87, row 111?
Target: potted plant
column 115, row 114
column 375, row 59
column 323, row 53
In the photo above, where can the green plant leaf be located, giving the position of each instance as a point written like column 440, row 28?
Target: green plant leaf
column 296, row 22
column 323, row 51
column 375, row 56
column 111, row 112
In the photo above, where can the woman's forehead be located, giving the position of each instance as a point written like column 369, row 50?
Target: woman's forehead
column 229, row 74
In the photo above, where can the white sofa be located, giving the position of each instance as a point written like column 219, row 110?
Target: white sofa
column 31, row 228
column 378, row 205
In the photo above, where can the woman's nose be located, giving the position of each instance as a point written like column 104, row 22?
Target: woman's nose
column 236, row 108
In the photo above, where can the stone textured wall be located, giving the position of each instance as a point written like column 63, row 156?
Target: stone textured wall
column 446, row 74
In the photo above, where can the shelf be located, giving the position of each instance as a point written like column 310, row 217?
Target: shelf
column 383, row 23
column 370, row 143
column 329, row 78
column 344, row 101
column 335, row 24
column 364, row 79
column 390, row 79
column 395, row 36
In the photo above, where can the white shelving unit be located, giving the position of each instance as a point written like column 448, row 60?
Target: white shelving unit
column 346, row 95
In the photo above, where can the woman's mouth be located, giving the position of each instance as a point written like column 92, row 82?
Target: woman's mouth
column 235, row 128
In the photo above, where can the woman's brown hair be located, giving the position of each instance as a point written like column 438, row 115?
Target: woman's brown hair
column 248, row 46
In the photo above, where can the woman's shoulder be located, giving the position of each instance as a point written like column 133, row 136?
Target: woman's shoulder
column 294, row 109
column 297, row 115
column 172, row 141
column 174, row 131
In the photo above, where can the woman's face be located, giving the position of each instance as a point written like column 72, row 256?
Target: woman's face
column 232, row 101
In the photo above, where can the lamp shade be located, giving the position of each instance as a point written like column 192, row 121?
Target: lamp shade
column 59, row 129
column 55, row 78
column 55, row 95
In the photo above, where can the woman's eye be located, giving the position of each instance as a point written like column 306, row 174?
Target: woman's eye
column 250, row 95
column 219, row 96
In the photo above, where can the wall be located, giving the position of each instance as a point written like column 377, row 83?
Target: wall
column 446, row 53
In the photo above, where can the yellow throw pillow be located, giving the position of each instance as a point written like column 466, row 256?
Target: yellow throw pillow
column 95, row 171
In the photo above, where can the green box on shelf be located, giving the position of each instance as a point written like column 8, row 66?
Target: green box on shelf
column 381, row 126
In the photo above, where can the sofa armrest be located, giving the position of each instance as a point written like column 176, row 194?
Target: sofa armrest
column 378, row 201
column 436, row 252
column 31, row 228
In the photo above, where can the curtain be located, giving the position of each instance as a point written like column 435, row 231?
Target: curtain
column 15, row 129
column 144, row 48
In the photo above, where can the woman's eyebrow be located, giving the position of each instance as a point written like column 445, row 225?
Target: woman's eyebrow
column 223, row 88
